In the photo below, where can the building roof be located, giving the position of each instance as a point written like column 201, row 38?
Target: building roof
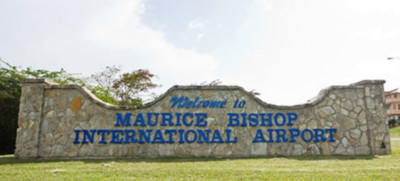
column 391, row 91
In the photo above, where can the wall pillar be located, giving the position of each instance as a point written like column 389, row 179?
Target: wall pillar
column 30, row 117
column 378, row 128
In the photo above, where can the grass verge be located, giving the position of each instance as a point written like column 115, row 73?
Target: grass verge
column 395, row 132
column 367, row 167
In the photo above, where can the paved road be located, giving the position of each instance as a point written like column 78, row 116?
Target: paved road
column 394, row 139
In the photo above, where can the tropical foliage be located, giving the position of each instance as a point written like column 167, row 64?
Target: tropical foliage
column 108, row 85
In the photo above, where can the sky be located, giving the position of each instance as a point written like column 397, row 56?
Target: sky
column 287, row 50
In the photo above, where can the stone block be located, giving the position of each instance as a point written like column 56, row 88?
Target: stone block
column 325, row 111
column 259, row 149
column 362, row 150
column 355, row 133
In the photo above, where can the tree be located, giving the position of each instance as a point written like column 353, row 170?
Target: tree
column 101, row 84
column 218, row 82
column 211, row 83
column 122, row 90
column 254, row 93
column 10, row 92
column 131, row 84
column 107, row 85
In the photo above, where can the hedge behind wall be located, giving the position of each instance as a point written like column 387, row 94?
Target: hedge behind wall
column 9, row 108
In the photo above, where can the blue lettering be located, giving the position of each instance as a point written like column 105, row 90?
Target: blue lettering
column 303, row 135
column 115, row 136
column 144, row 135
column 77, row 136
column 185, row 102
column 201, row 119
column 281, row 133
column 181, row 135
column 184, row 117
column 331, row 131
column 276, row 119
column 204, row 136
column 244, row 124
column 214, row 104
column 149, row 119
column 228, row 137
column 233, row 117
column 263, row 119
column 195, row 102
column 123, row 122
column 216, row 136
column 270, row 137
column 259, row 138
column 188, row 102
column 206, row 103
column 294, row 132
column 171, row 133
column 175, row 101
column 223, row 103
column 139, row 119
column 187, row 138
column 130, row 136
column 253, row 119
column 88, row 136
column 319, row 133
column 291, row 117
column 178, row 119
column 158, row 138
column 166, row 117
column 102, row 133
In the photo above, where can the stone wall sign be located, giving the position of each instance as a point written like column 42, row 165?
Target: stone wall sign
column 222, row 121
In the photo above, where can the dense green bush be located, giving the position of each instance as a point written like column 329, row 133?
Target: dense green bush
column 106, row 85
column 10, row 92
column 392, row 123
column 8, row 124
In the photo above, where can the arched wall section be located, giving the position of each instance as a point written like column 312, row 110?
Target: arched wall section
column 68, row 121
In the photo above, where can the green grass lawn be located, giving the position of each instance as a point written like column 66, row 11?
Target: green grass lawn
column 395, row 132
column 381, row 167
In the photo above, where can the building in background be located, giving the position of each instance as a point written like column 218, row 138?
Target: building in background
column 393, row 103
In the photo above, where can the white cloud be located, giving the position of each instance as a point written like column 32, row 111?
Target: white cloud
column 195, row 24
column 265, row 5
column 287, row 50
column 373, row 6
column 379, row 34
column 199, row 36
column 122, row 28
column 306, row 46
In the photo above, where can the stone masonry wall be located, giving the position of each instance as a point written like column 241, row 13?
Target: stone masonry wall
column 49, row 114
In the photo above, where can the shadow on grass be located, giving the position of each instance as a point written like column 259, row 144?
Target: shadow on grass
column 10, row 159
